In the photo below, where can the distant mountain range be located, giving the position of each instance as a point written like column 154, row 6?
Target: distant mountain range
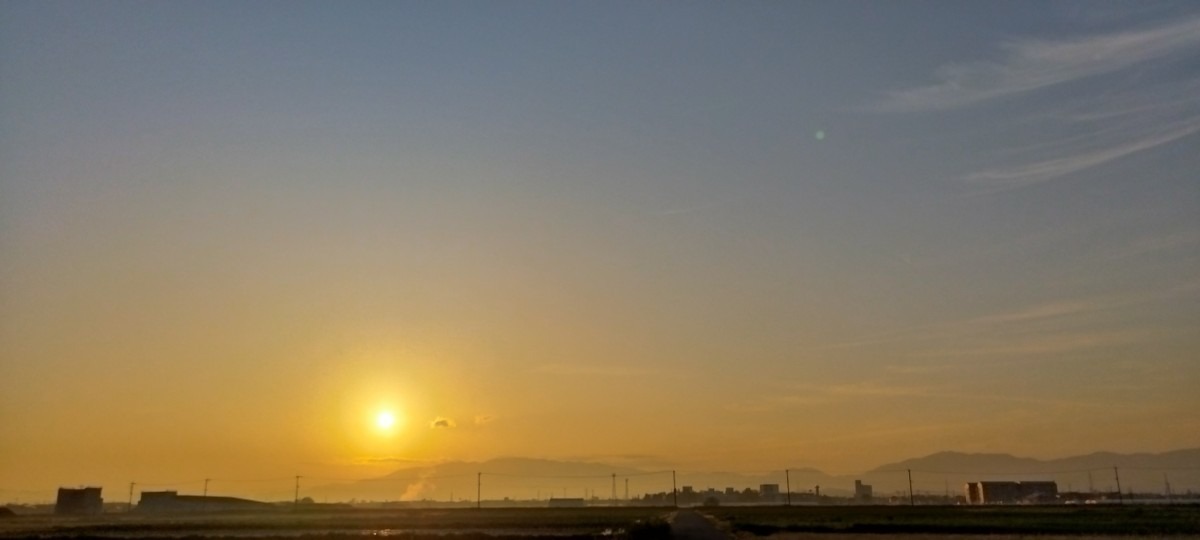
column 527, row 478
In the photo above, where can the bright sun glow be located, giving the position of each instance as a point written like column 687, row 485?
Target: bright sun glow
column 385, row 420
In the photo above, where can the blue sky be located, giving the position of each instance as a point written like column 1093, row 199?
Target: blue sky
column 980, row 221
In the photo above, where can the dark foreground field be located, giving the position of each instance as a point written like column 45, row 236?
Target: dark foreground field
column 964, row 520
column 783, row 523
column 456, row 524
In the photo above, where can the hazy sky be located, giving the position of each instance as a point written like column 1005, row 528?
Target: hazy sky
column 714, row 235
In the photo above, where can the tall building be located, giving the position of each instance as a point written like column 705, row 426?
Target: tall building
column 863, row 492
column 81, row 501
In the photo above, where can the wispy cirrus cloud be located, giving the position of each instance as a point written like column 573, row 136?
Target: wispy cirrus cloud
column 590, row 369
column 806, row 395
column 1145, row 103
column 1028, row 333
column 1043, row 311
column 1031, row 64
column 1035, row 345
column 1183, row 240
column 1040, row 171
column 481, row 419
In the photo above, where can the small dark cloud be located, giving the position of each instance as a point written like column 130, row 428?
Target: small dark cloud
column 442, row 422
column 484, row 419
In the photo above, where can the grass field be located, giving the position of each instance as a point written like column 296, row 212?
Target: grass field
column 745, row 522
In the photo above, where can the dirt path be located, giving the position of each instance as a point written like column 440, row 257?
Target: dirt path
column 692, row 525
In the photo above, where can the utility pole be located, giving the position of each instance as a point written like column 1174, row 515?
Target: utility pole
column 478, row 490
column 296, row 504
column 910, row 494
column 1120, row 497
column 674, row 489
column 1167, row 483
column 206, row 493
column 614, row 489
column 787, row 478
column 1091, row 487
column 131, row 484
column 627, row 488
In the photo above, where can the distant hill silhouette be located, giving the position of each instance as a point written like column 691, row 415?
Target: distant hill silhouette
column 1005, row 463
column 958, row 461
column 530, row 478
column 517, row 466
column 1139, row 472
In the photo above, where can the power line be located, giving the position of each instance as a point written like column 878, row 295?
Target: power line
column 1117, row 474
column 910, row 492
column 787, row 475
column 674, row 490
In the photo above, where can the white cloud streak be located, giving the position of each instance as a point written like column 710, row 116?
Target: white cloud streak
column 1041, row 171
column 1033, row 64
column 1029, row 333
column 808, row 395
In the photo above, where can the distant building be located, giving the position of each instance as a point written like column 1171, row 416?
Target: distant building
column 1010, row 492
column 1039, row 491
column 81, row 501
column 566, row 503
column 768, row 492
column 863, row 492
column 172, row 502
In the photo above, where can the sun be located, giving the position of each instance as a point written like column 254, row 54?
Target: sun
column 385, row 420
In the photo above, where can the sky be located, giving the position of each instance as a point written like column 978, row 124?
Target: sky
column 710, row 236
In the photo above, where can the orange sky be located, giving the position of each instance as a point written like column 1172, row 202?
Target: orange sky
column 725, row 237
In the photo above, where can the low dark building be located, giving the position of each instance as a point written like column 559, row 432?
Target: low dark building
column 79, row 501
column 1011, row 492
column 172, row 502
column 566, row 503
